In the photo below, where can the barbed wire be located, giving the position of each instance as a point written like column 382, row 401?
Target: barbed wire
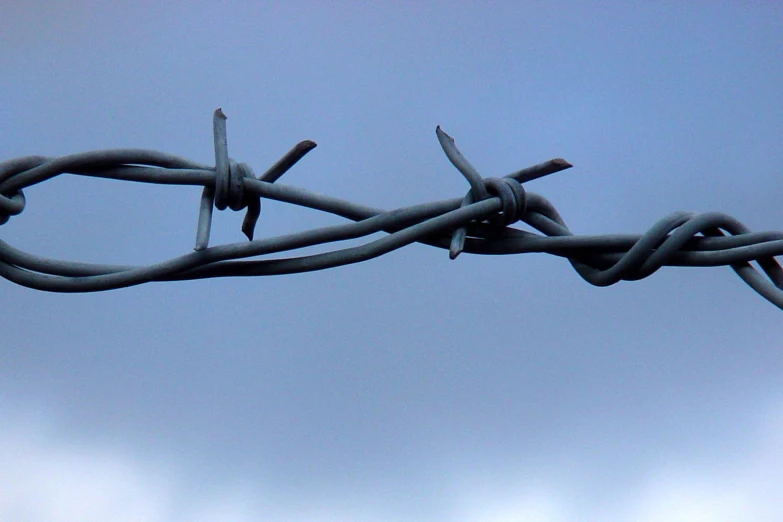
column 478, row 223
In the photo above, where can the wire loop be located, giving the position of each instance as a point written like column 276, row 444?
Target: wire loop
column 11, row 204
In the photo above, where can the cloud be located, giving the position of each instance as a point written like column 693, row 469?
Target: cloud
column 45, row 478
column 48, row 477
column 749, row 490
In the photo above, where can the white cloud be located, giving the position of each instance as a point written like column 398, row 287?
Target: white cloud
column 536, row 507
column 44, row 478
column 750, row 490
column 747, row 489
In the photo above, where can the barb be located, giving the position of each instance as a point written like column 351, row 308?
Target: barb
column 478, row 223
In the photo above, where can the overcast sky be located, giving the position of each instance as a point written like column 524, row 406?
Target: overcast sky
column 409, row 387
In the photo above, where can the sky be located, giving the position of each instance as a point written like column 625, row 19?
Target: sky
column 408, row 387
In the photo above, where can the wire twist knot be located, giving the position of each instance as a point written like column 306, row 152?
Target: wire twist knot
column 512, row 197
column 229, row 188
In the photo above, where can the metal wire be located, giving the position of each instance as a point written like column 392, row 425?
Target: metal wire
column 478, row 223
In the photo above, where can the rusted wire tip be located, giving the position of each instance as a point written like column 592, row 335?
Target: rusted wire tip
column 306, row 145
column 287, row 161
column 441, row 132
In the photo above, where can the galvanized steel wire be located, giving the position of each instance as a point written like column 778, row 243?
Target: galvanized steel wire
column 478, row 223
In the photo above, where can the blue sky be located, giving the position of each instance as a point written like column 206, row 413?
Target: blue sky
column 409, row 387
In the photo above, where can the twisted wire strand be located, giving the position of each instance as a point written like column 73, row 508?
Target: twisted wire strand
column 478, row 223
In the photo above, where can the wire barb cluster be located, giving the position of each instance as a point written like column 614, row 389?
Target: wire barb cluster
column 478, row 223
